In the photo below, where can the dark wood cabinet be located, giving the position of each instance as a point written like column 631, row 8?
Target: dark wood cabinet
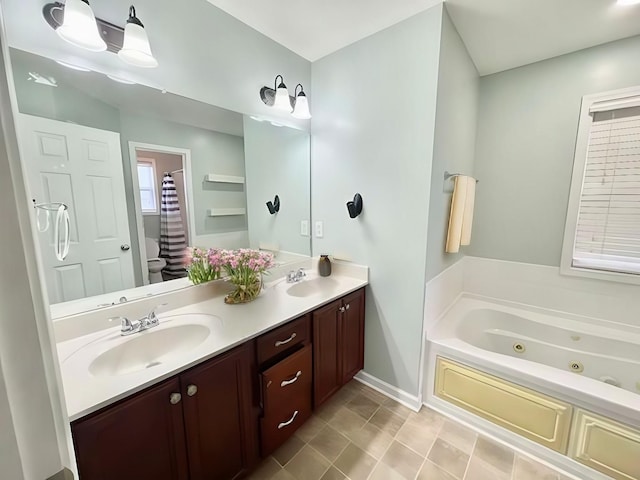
column 338, row 344
column 140, row 437
column 220, row 426
column 201, row 424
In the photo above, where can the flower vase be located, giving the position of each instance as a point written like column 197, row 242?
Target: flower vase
column 245, row 292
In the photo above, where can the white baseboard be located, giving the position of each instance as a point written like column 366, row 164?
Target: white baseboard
column 410, row 401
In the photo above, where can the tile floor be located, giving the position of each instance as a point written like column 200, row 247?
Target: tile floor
column 361, row 434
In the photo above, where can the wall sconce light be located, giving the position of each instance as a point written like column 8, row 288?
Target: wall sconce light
column 274, row 207
column 278, row 97
column 76, row 23
column 355, row 207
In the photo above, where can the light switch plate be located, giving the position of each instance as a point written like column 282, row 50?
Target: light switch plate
column 319, row 229
column 304, row 228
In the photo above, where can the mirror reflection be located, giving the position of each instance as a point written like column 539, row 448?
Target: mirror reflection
column 126, row 176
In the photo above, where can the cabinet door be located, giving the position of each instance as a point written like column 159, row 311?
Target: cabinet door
column 220, row 421
column 140, row 437
column 352, row 335
column 326, row 365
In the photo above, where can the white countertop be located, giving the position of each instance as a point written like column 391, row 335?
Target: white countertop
column 86, row 393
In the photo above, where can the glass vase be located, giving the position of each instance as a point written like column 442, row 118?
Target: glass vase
column 245, row 291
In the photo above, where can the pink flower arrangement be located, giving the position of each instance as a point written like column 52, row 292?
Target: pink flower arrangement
column 199, row 265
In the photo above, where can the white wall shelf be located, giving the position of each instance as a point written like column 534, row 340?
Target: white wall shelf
column 226, row 212
column 212, row 177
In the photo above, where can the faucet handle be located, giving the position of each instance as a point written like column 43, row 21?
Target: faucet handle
column 301, row 273
column 291, row 276
column 151, row 317
column 125, row 324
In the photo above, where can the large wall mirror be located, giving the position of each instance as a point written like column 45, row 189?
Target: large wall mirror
column 144, row 173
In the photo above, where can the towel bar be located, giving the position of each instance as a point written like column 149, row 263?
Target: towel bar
column 448, row 175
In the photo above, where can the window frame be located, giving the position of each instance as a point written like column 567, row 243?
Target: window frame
column 575, row 192
column 152, row 162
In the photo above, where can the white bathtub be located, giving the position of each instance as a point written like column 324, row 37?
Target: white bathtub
column 541, row 348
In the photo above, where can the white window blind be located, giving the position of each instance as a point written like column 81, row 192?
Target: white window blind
column 608, row 228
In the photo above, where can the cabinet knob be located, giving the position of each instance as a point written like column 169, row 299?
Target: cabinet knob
column 175, row 398
column 342, row 309
column 192, row 390
column 348, row 306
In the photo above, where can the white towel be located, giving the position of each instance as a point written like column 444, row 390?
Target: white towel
column 467, row 220
column 456, row 215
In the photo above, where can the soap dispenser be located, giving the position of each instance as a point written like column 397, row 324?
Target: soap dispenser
column 324, row 266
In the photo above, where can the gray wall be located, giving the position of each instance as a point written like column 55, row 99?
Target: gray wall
column 277, row 161
column 527, row 125
column 372, row 133
column 455, row 139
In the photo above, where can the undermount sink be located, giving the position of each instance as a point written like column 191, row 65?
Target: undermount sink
column 312, row 286
column 153, row 347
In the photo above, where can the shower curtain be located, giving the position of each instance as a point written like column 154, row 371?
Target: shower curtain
column 172, row 235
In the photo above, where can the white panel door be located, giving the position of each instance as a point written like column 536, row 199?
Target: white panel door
column 81, row 167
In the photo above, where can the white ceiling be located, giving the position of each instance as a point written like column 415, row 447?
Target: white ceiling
column 315, row 28
column 499, row 34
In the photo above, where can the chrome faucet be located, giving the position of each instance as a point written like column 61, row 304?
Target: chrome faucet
column 294, row 277
column 127, row 327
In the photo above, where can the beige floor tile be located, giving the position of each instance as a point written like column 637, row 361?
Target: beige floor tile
column 458, row 435
column 427, row 418
column 417, row 437
column 283, row 475
column 372, row 440
column 355, row 463
column 526, row 469
column 308, row 464
column 329, row 443
column 346, row 421
column 387, row 421
column 480, row 470
column 333, row 474
column 397, row 408
column 403, row 460
column 310, row 428
column 288, row 450
column 385, row 472
column 449, row 458
column 430, row 471
column 266, row 470
column 494, row 454
column 363, row 406
column 327, row 410
column 374, row 395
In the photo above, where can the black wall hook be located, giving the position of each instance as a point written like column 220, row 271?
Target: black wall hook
column 355, row 207
column 274, row 206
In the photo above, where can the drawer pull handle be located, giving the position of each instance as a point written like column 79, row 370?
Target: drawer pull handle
column 289, row 422
column 279, row 343
column 284, row 383
column 175, row 398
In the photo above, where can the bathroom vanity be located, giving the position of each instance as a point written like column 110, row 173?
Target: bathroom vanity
column 270, row 363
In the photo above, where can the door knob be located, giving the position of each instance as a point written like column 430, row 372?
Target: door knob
column 192, row 390
column 124, row 247
column 175, row 398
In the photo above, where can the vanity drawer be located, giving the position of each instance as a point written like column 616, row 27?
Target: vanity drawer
column 283, row 339
column 279, row 425
column 288, row 381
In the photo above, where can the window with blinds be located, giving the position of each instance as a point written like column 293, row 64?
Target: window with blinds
column 607, row 233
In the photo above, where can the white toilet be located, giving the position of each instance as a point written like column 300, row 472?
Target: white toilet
column 155, row 264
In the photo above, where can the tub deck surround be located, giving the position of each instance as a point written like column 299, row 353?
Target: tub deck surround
column 483, row 332
column 231, row 326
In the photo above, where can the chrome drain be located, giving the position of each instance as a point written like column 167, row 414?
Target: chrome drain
column 519, row 348
column 576, row 366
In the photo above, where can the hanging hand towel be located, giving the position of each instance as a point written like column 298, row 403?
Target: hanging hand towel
column 457, row 214
column 467, row 219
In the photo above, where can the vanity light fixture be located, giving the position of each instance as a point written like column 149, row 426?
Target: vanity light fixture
column 75, row 22
column 79, row 27
column 136, row 50
column 278, row 97
column 301, row 108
